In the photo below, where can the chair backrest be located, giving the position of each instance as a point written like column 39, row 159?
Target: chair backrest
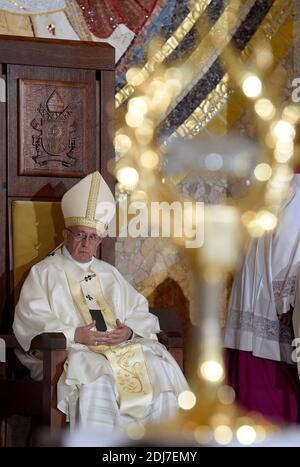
column 36, row 231
column 169, row 320
column 172, row 336
column 54, row 130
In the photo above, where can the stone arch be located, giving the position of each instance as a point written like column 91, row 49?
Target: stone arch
column 169, row 294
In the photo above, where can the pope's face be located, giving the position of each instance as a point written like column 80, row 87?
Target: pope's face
column 81, row 242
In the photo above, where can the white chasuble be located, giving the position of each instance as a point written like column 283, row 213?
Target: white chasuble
column 264, row 288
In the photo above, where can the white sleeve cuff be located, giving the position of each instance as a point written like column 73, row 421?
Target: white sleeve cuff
column 69, row 333
column 132, row 336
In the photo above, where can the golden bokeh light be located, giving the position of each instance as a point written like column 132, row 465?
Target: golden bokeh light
column 134, row 76
column 246, row 435
column 212, row 371
column 265, row 109
column 252, row 86
column 133, row 120
column 135, row 431
column 149, row 159
column 138, row 106
column 267, row 220
column 283, row 130
column 122, row 143
column 263, row 172
column 186, row 400
column 128, row 176
column 223, row 434
column 226, row 394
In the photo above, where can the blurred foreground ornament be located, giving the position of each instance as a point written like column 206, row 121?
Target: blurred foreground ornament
column 259, row 174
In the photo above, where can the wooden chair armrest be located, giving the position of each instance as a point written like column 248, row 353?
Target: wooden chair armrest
column 10, row 341
column 170, row 339
column 49, row 341
column 45, row 341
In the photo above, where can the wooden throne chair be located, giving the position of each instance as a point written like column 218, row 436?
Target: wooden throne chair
column 56, row 106
column 49, row 83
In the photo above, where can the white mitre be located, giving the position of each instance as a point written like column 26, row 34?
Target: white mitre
column 89, row 203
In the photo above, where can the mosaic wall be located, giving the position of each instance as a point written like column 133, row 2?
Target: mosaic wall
column 148, row 263
column 296, row 45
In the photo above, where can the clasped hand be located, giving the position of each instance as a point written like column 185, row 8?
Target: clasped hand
column 86, row 335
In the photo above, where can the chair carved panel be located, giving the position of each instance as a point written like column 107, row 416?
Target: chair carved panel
column 53, row 128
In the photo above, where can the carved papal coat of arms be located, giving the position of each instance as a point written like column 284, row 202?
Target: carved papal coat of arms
column 55, row 138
